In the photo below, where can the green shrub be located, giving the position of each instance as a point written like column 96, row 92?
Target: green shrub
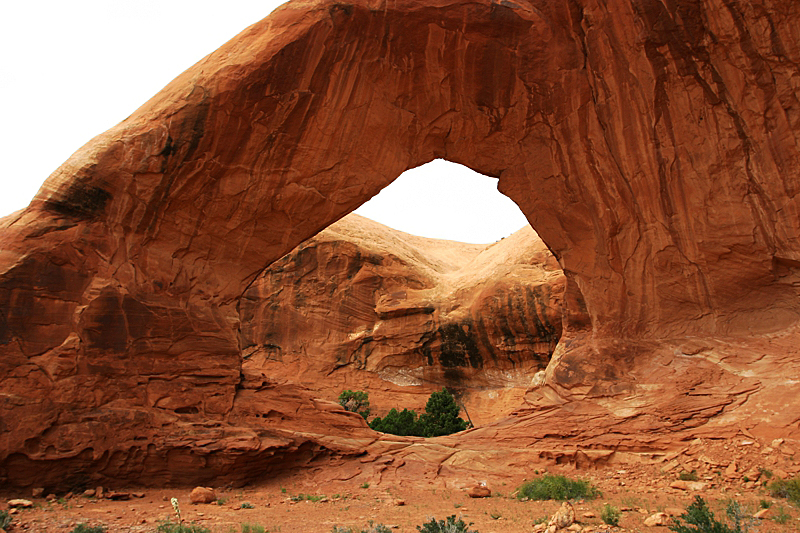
column 379, row 528
column 782, row 517
column 403, row 423
column 549, row 487
column 610, row 515
column 247, row 505
column 765, row 504
column 451, row 525
column 786, row 488
column 5, row 519
column 253, row 528
column 688, row 476
column 698, row 518
column 355, row 402
column 168, row 526
column 83, row 528
column 308, row 497
column 440, row 418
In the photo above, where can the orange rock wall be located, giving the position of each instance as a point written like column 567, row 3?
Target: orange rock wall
column 652, row 146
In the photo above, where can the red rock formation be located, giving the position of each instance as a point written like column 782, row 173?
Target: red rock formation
column 363, row 306
column 652, row 146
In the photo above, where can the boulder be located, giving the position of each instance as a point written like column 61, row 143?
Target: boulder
column 479, row 491
column 202, row 495
column 657, row 519
column 20, row 503
column 564, row 517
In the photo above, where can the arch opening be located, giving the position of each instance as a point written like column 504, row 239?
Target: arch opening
column 365, row 306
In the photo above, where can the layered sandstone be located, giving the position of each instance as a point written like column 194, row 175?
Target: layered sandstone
column 652, row 146
column 363, row 306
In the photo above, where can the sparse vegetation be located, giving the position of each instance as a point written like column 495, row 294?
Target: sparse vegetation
column 355, row 402
column 168, row 526
column 550, row 487
column 610, row 515
column 247, row 505
column 371, row 528
column 83, row 528
column 365, row 485
column 786, row 488
column 698, row 518
column 765, row 504
column 688, row 476
column 304, row 497
column 5, row 519
column 222, row 501
column 440, row 418
column 450, row 525
column 253, row 528
column 782, row 517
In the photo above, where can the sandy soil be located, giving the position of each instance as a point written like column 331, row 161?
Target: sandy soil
column 638, row 490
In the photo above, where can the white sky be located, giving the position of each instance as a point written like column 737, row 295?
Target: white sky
column 71, row 70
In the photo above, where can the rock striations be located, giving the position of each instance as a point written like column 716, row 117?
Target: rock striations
column 363, row 306
column 653, row 147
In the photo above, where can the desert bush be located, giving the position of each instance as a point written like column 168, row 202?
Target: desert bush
column 688, row 476
column 371, row 528
column 168, row 526
column 253, row 528
column 355, row 402
column 781, row 516
column 247, row 505
column 698, row 518
column 786, row 488
column 610, row 515
column 440, row 418
column 5, row 519
column 403, row 423
column 549, row 487
column 450, row 525
column 83, row 528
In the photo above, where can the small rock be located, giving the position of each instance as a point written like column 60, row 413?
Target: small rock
column 118, row 496
column 575, row 527
column 37, row 492
column 762, row 514
column 89, row 493
column 674, row 511
column 689, row 485
column 776, row 443
column 564, row 517
column 479, row 491
column 24, row 504
column 399, row 503
column 51, row 497
column 138, row 494
column 99, row 493
column 731, row 471
column 539, row 527
column 589, row 514
column 657, row 519
column 202, row 495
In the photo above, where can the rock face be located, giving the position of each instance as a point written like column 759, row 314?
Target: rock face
column 652, row 146
column 361, row 300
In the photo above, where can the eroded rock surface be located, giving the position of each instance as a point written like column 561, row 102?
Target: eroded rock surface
column 652, row 146
column 365, row 306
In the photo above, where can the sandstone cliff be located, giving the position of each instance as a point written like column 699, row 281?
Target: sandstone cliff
column 652, row 146
column 361, row 301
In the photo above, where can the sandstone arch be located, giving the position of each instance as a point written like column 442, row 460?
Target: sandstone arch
column 652, row 146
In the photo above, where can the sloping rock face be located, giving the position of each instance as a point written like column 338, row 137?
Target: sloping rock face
column 652, row 146
column 361, row 306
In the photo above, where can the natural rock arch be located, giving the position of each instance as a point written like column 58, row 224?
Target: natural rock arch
column 652, row 147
